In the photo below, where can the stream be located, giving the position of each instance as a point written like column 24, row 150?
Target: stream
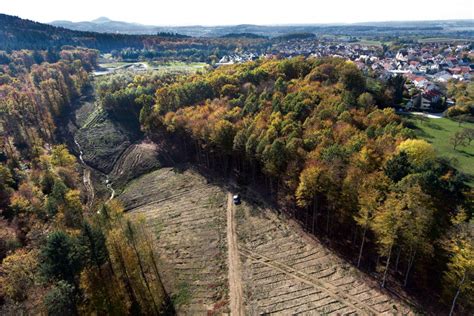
column 86, row 178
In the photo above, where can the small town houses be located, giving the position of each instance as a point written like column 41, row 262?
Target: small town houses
column 426, row 67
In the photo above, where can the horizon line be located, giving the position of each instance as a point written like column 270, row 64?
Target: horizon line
column 254, row 24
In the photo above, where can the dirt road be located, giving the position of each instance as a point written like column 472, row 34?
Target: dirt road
column 235, row 279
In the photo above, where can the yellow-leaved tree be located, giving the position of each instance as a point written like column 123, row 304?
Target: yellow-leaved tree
column 419, row 151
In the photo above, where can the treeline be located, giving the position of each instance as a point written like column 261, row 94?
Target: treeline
column 57, row 256
column 124, row 94
column 36, row 88
column 208, row 50
column 310, row 132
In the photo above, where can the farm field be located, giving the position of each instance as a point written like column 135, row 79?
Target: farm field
column 279, row 270
column 438, row 132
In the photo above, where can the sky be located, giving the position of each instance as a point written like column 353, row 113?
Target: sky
column 230, row 12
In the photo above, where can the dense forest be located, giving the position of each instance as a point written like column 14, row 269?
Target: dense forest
column 315, row 134
column 58, row 256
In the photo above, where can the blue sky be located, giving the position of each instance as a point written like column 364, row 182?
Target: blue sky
column 224, row 12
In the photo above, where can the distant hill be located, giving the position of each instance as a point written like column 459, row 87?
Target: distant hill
column 106, row 35
column 106, row 25
column 242, row 35
column 293, row 36
column 17, row 33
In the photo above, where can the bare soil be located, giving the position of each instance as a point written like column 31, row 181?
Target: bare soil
column 136, row 160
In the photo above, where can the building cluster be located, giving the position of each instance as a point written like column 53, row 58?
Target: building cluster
column 426, row 67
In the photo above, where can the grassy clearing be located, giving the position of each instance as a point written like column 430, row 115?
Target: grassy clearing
column 439, row 132
column 165, row 67
column 176, row 66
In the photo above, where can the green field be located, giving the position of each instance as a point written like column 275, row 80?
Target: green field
column 442, row 40
column 438, row 131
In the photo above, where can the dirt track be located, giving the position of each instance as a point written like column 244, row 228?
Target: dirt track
column 235, row 279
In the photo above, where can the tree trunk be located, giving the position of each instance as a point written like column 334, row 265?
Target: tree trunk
column 362, row 246
column 386, row 266
column 135, row 306
column 410, row 264
column 398, row 259
column 457, row 294
column 354, row 235
column 142, row 270
column 155, row 265
column 327, row 220
column 306, row 219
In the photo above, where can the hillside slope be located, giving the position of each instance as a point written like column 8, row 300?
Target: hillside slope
column 281, row 271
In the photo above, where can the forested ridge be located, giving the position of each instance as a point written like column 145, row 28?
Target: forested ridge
column 16, row 34
column 58, row 256
column 315, row 134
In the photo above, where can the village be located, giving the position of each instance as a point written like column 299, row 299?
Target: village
column 426, row 67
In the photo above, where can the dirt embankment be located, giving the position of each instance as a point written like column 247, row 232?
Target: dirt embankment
column 136, row 160
column 102, row 141
column 111, row 154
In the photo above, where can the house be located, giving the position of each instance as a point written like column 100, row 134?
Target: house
column 428, row 101
column 402, row 55
column 420, row 82
column 442, row 76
